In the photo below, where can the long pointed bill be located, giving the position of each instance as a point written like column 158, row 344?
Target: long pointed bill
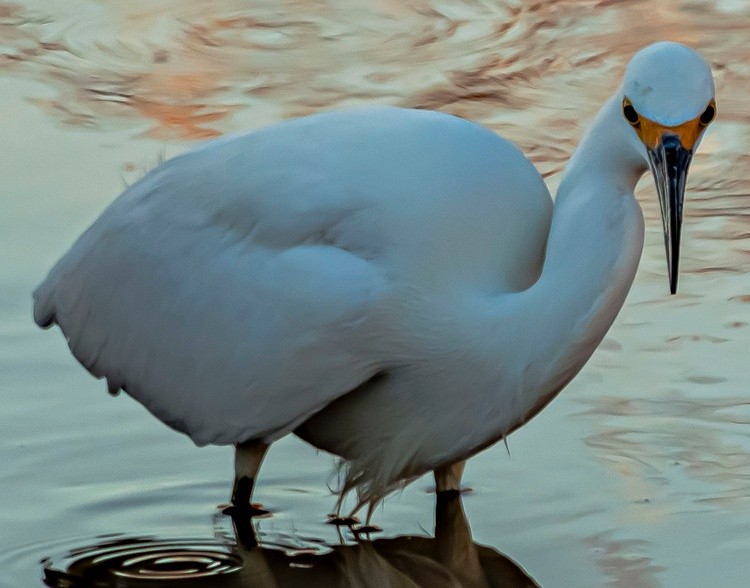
column 669, row 163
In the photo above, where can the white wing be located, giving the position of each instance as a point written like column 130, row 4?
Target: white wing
column 226, row 323
column 239, row 288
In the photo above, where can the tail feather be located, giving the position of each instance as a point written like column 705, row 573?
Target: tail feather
column 45, row 312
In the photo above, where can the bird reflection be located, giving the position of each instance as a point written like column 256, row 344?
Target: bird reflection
column 450, row 559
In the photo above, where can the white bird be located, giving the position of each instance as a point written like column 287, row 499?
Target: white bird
column 394, row 286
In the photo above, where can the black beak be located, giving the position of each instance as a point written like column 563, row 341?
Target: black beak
column 669, row 163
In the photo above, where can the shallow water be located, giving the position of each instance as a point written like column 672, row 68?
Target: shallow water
column 637, row 475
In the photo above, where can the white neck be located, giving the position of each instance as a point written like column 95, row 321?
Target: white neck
column 593, row 250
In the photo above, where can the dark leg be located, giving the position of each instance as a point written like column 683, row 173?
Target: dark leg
column 247, row 459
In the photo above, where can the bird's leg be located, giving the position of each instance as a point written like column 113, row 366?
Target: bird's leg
column 247, row 459
column 448, row 477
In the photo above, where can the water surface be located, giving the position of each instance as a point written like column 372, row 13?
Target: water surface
column 637, row 475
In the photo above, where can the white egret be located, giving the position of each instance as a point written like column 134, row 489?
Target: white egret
column 395, row 286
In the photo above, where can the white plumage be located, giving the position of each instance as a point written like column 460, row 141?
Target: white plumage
column 369, row 278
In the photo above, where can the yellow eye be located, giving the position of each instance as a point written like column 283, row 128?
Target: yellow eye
column 630, row 114
column 708, row 115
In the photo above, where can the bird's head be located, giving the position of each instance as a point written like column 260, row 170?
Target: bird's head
column 668, row 101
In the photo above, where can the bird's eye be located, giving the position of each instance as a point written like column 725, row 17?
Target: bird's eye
column 708, row 115
column 630, row 113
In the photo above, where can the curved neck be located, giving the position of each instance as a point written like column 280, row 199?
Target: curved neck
column 597, row 224
column 593, row 250
column 605, row 157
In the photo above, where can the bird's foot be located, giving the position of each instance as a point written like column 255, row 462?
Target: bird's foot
column 342, row 521
column 353, row 523
column 242, row 516
column 462, row 491
column 366, row 529
column 248, row 510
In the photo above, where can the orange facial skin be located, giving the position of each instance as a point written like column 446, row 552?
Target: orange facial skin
column 651, row 132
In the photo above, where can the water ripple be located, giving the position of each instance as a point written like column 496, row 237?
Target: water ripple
column 144, row 559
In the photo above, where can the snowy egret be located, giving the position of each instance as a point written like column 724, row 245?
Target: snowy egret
column 395, row 286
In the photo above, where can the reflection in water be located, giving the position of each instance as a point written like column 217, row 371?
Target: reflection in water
column 448, row 559
column 699, row 438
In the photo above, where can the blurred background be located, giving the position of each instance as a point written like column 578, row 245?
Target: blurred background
column 637, row 475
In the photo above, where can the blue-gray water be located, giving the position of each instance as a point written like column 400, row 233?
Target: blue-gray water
column 637, row 475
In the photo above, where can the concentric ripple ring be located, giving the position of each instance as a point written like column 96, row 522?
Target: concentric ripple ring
column 143, row 560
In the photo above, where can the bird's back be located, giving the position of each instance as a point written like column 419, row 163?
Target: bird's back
column 239, row 288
